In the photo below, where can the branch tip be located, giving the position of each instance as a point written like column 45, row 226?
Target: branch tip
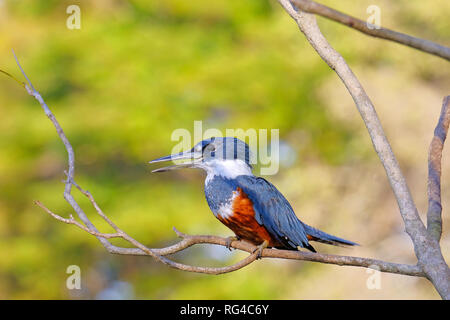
column 179, row 233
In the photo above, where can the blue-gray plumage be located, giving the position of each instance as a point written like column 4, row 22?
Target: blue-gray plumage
column 271, row 209
column 250, row 206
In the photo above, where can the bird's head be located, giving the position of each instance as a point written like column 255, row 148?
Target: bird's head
column 227, row 156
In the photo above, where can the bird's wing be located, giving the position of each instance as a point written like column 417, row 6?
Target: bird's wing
column 274, row 212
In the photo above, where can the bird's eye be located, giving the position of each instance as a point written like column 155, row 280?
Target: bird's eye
column 209, row 148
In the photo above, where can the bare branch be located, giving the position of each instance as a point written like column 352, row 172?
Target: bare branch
column 71, row 220
column 383, row 33
column 383, row 266
column 151, row 252
column 427, row 249
column 95, row 205
column 381, row 145
column 23, row 72
column 434, row 218
column 188, row 241
column 90, row 228
column 308, row 25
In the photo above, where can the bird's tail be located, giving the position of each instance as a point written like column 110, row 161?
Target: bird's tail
column 320, row 236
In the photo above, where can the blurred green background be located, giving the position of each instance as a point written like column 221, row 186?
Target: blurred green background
column 137, row 70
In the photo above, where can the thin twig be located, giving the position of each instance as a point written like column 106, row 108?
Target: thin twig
column 23, row 72
column 434, row 215
column 374, row 31
column 71, row 220
column 14, row 78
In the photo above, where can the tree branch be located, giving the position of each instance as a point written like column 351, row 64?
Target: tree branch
column 362, row 26
column 434, row 218
column 90, row 228
column 426, row 248
column 188, row 240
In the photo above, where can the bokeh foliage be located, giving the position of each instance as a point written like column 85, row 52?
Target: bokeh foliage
column 136, row 71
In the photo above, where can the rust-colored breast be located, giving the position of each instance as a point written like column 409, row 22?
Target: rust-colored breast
column 243, row 222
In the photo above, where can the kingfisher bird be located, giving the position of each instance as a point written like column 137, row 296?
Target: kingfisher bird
column 250, row 206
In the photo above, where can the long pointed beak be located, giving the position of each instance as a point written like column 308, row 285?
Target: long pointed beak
column 193, row 156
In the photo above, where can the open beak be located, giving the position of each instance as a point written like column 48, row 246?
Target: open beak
column 193, row 157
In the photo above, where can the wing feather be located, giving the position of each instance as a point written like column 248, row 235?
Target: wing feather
column 274, row 212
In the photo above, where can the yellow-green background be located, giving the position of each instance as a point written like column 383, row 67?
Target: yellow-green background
column 137, row 70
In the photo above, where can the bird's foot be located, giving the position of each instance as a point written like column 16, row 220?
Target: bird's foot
column 230, row 240
column 260, row 249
